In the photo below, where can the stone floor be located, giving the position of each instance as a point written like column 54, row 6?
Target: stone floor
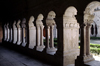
column 9, row 57
column 12, row 58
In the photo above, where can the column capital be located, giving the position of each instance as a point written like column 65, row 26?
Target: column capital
column 83, row 25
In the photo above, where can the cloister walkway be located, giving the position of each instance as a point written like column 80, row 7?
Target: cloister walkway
column 95, row 41
column 10, row 57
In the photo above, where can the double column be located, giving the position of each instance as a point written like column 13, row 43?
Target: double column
column 50, row 25
column 40, row 26
column 50, row 47
column 85, row 55
column 40, row 44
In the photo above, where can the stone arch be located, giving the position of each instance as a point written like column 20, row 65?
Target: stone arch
column 90, row 15
column 89, row 11
column 85, row 30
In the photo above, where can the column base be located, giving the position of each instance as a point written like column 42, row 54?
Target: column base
column 88, row 58
column 40, row 48
column 81, row 60
column 18, row 43
column 14, row 42
column 23, row 44
column 51, row 51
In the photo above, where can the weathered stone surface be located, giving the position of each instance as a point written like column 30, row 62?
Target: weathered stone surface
column 14, row 32
column 70, row 36
column 50, row 25
column 39, row 24
column 11, row 33
column 32, row 33
column 8, row 32
column 19, row 33
column 55, row 31
column 24, row 35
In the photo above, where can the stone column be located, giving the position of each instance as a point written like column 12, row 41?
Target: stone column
column 11, row 34
column 51, row 36
column 38, row 36
column 84, row 46
column 41, row 37
column 32, row 33
column 8, row 32
column 55, row 32
column 14, row 32
column 80, row 58
column 39, row 24
column 47, row 36
column 24, row 41
column 19, row 32
column 88, row 56
column 88, row 39
column 50, row 23
column 5, row 32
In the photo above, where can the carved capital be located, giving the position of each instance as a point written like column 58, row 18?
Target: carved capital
column 50, row 18
column 89, row 24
